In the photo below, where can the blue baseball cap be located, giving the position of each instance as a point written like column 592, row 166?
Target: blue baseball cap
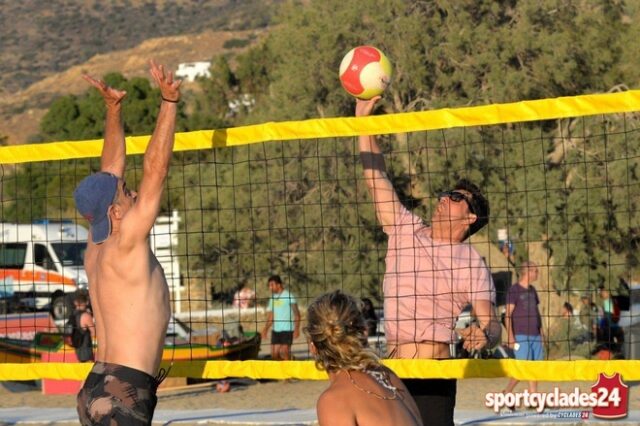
column 93, row 197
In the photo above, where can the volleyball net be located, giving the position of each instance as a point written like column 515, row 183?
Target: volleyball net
column 289, row 198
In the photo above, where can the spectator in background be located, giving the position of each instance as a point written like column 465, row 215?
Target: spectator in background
column 523, row 322
column 370, row 317
column 588, row 316
column 82, row 327
column 244, row 298
column 568, row 335
column 575, row 330
column 610, row 334
column 610, row 313
column 283, row 314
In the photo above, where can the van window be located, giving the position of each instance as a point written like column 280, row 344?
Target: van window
column 42, row 258
column 12, row 255
column 70, row 254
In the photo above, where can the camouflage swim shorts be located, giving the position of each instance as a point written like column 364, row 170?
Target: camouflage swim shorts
column 116, row 395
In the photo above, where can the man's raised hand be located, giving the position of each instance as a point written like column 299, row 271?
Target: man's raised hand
column 169, row 88
column 111, row 96
column 364, row 107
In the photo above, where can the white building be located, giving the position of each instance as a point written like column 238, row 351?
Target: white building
column 164, row 244
column 190, row 70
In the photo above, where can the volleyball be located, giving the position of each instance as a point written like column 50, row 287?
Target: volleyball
column 365, row 72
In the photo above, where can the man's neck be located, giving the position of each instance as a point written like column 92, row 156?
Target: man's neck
column 443, row 232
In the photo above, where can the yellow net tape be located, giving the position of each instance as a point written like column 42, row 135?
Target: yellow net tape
column 544, row 109
column 578, row 370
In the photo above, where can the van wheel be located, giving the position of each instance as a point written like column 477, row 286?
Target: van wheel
column 61, row 307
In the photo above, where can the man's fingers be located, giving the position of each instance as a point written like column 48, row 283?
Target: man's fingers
column 98, row 84
column 164, row 80
column 120, row 93
column 474, row 338
column 465, row 333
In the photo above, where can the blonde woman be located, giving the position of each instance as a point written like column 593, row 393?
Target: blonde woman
column 361, row 391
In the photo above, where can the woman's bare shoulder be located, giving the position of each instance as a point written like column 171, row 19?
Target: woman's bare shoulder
column 334, row 408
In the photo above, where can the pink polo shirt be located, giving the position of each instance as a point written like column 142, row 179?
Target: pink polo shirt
column 427, row 283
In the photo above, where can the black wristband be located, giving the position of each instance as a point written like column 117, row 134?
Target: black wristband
column 169, row 100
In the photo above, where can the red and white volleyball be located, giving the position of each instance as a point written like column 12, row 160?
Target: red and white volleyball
column 365, row 72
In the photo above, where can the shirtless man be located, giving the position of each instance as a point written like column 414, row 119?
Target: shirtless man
column 431, row 276
column 126, row 283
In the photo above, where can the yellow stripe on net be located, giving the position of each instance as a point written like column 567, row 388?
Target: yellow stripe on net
column 544, row 109
column 578, row 370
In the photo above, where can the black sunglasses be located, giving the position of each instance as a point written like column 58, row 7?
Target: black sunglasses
column 456, row 197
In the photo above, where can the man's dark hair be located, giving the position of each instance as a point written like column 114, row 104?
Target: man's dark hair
column 81, row 296
column 275, row 278
column 479, row 205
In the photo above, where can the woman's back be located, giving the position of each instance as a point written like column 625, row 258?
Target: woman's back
column 371, row 398
column 362, row 391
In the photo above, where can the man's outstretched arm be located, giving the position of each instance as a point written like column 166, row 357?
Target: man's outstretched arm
column 157, row 156
column 384, row 196
column 114, row 150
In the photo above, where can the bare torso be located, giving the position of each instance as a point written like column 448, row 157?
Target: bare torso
column 130, row 300
column 422, row 350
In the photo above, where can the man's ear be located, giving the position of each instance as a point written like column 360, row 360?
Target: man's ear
column 115, row 211
column 471, row 218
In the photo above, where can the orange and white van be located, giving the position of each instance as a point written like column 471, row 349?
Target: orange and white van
column 41, row 264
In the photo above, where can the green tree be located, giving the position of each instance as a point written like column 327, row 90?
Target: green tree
column 444, row 53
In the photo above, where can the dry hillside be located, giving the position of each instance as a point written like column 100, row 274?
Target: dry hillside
column 21, row 112
column 44, row 37
column 47, row 45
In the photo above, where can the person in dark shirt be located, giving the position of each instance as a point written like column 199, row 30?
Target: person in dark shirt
column 370, row 317
column 83, row 327
column 588, row 316
column 523, row 321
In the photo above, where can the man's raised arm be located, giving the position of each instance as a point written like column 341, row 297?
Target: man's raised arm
column 384, row 196
column 114, row 150
column 157, row 156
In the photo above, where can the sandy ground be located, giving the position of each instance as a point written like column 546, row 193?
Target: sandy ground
column 250, row 394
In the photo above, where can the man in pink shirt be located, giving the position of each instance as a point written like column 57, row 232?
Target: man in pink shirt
column 431, row 275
